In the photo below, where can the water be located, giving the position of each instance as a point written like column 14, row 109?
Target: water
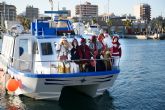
column 140, row 85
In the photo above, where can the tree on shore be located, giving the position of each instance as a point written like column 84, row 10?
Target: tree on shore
column 127, row 24
column 24, row 21
column 158, row 24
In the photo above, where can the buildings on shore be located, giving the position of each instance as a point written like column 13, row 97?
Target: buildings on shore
column 86, row 10
column 142, row 11
column 32, row 13
column 7, row 12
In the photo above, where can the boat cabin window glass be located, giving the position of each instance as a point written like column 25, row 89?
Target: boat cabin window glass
column 23, row 46
column 52, row 24
column 93, row 26
column 62, row 24
column 46, row 48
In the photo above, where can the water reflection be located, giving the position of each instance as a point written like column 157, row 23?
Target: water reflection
column 72, row 99
column 11, row 102
column 105, row 101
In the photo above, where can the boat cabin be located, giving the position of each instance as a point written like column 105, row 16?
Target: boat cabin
column 36, row 52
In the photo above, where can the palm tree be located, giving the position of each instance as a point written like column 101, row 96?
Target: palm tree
column 24, row 21
column 127, row 24
column 94, row 21
column 110, row 23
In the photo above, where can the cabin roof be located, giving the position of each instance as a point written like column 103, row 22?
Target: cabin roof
column 51, row 28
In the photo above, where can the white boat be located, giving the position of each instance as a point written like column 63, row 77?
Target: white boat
column 91, row 30
column 31, row 60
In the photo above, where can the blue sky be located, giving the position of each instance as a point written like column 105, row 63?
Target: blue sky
column 118, row 7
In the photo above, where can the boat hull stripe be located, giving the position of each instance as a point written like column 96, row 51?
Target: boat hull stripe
column 56, row 75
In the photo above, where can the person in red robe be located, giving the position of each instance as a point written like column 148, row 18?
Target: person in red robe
column 116, row 51
column 85, row 56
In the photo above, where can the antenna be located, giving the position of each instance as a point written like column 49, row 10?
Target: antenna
column 58, row 6
column 80, row 12
column 51, row 3
column 108, row 6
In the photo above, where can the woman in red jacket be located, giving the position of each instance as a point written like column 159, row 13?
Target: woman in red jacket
column 116, row 51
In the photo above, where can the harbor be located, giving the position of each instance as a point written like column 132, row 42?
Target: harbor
column 82, row 57
column 139, row 86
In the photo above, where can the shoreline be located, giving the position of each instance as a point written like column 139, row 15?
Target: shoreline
column 144, row 37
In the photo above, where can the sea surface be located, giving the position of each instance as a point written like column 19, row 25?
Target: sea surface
column 139, row 86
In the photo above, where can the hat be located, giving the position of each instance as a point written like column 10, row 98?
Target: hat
column 116, row 36
column 63, row 38
column 83, row 40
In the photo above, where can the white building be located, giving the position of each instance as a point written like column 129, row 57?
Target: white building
column 137, row 11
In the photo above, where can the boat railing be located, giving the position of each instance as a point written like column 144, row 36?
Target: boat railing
column 66, row 66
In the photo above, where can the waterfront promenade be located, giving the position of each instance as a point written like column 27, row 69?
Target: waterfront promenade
column 153, row 36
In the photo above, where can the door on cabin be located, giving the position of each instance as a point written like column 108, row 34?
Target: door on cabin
column 23, row 54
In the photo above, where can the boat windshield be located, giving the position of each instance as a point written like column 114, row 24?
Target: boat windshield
column 62, row 24
column 58, row 24
column 93, row 26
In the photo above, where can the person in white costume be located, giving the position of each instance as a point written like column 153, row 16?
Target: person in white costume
column 107, row 40
column 63, row 49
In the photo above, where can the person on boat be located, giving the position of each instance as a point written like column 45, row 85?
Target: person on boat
column 116, row 50
column 85, row 56
column 75, row 56
column 95, row 47
column 84, row 50
column 106, row 51
column 101, row 37
column 63, row 49
column 75, row 50
column 107, row 40
column 96, row 50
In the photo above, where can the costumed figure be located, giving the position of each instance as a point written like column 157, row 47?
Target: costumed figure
column 95, row 47
column 85, row 56
column 107, row 41
column 116, row 51
column 63, row 49
column 106, row 51
column 96, row 50
column 101, row 37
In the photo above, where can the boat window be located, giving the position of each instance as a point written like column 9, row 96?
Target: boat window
column 52, row 24
column 46, row 48
column 23, row 44
column 93, row 26
column 62, row 24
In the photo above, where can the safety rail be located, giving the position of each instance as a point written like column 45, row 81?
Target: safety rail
column 66, row 66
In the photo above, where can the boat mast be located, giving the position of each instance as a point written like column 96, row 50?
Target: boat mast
column 51, row 3
column 79, row 18
column 108, row 6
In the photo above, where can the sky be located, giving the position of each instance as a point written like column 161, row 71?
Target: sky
column 118, row 7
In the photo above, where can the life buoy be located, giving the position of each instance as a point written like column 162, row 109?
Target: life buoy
column 12, row 85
